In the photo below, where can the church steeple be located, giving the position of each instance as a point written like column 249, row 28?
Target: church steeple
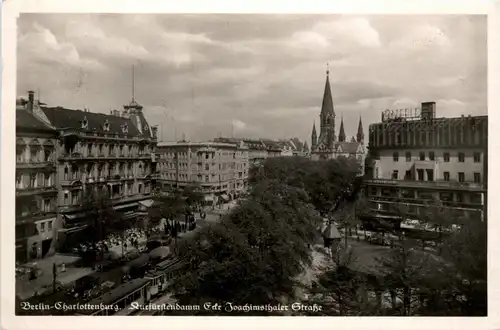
column 314, row 136
column 327, row 124
column 360, row 137
column 342, row 136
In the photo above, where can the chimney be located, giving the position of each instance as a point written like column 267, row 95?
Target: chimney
column 31, row 100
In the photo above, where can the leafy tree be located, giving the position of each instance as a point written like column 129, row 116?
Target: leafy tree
column 254, row 254
column 193, row 196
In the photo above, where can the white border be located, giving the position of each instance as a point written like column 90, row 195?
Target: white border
column 11, row 10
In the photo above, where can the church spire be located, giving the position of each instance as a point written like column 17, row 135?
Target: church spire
column 327, row 105
column 314, row 136
column 360, row 137
column 342, row 136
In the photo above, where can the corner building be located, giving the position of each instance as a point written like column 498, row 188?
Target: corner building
column 36, row 182
column 111, row 154
column 416, row 158
column 220, row 169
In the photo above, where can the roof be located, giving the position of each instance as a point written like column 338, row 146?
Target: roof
column 120, row 291
column 26, row 120
column 195, row 144
column 67, row 118
column 331, row 232
column 348, row 147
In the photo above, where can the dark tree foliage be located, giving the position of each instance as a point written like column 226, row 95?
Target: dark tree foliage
column 324, row 181
column 254, row 254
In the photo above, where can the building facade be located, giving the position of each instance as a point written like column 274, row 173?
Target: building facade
column 36, row 182
column 261, row 149
column 417, row 159
column 327, row 146
column 219, row 169
column 109, row 154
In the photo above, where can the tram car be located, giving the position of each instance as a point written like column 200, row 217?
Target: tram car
column 160, row 277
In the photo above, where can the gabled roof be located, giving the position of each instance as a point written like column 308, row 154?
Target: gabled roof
column 27, row 121
column 67, row 118
column 348, row 147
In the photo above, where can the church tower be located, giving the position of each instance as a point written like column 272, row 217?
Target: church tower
column 342, row 136
column 327, row 125
column 360, row 137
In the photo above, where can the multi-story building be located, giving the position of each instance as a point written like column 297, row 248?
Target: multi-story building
column 326, row 145
column 220, row 169
column 111, row 154
column 416, row 159
column 36, row 191
column 261, row 149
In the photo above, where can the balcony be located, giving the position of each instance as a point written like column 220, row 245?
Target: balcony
column 34, row 164
column 423, row 202
column 35, row 190
column 452, row 185
column 425, row 164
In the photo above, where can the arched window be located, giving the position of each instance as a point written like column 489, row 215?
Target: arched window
column 66, row 172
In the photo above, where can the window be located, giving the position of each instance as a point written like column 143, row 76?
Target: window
column 422, row 155
column 46, row 205
column 49, row 226
column 42, row 227
column 420, row 175
column 206, row 156
column 430, row 175
column 207, row 167
column 66, row 197
column 476, row 199
column 408, row 156
column 431, row 155
column 74, row 197
column 461, row 177
column 477, row 177
column 46, row 155
column 140, row 188
column 461, row 157
column 408, row 175
column 395, row 156
column 207, row 178
column 460, row 197
column 446, row 157
column 446, row 176
column 477, row 157
column 394, row 175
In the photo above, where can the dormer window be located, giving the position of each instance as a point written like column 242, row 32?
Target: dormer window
column 125, row 128
column 85, row 123
column 106, row 126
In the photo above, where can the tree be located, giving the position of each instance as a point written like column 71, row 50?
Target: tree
column 254, row 254
column 100, row 216
column 193, row 196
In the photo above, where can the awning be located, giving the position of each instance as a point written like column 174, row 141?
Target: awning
column 75, row 215
column 147, row 202
column 119, row 207
column 225, row 197
column 209, row 198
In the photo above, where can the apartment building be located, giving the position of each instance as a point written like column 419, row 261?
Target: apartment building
column 220, row 169
column 417, row 159
column 108, row 153
column 36, row 191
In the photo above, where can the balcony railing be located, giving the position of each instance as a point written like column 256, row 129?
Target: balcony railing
column 427, row 184
column 34, row 190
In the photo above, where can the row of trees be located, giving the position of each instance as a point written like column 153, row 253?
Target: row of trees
column 255, row 253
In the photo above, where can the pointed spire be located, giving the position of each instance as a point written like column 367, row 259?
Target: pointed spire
column 314, row 136
column 327, row 105
column 360, row 136
column 314, row 129
column 342, row 136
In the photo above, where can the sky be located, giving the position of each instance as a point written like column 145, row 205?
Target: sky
column 203, row 76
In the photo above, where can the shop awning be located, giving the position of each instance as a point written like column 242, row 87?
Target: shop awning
column 124, row 206
column 74, row 215
column 209, row 198
column 147, row 202
column 225, row 197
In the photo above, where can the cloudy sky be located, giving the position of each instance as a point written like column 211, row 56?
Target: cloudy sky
column 253, row 75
